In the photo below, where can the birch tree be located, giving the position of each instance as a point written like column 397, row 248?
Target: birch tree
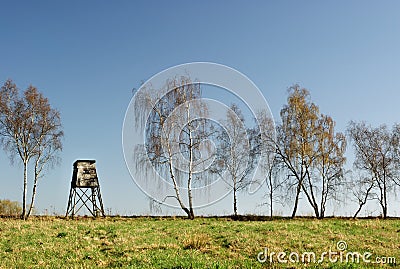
column 236, row 153
column 271, row 167
column 310, row 151
column 296, row 140
column 376, row 156
column 325, row 175
column 47, row 137
column 175, row 130
column 29, row 129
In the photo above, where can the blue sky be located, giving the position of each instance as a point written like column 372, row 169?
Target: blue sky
column 86, row 56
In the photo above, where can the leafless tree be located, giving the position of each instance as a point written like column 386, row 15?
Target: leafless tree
column 275, row 182
column 376, row 156
column 236, row 153
column 175, row 130
column 29, row 129
column 271, row 166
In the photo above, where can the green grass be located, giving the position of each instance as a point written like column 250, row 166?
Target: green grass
column 179, row 243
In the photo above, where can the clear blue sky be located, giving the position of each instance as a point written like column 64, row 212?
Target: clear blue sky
column 86, row 56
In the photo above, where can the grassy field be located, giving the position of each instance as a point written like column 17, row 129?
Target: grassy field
column 201, row 243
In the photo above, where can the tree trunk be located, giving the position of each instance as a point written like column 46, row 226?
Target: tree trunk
column 311, row 200
column 191, row 212
column 316, row 210
column 322, row 213
column 178, row 197
column 323, row 204
column 310, row 195
column 189, row 186
column 190, row 198
column 358, row 210
column 271, row 192
column 385, row 201
column 33, row 191
column 296, row 201
column 32, row 199
column 384, row 206
column 24, row 192
column 361, row 204
column 364, row 201
column 234, row 203
column 382, row 199
column 187, row 211
column 324, row 196
column 270, row 204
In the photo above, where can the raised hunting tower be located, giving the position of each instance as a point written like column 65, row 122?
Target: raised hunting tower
column 85, row 189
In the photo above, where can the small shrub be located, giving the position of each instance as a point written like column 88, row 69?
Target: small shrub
column 10, row 208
